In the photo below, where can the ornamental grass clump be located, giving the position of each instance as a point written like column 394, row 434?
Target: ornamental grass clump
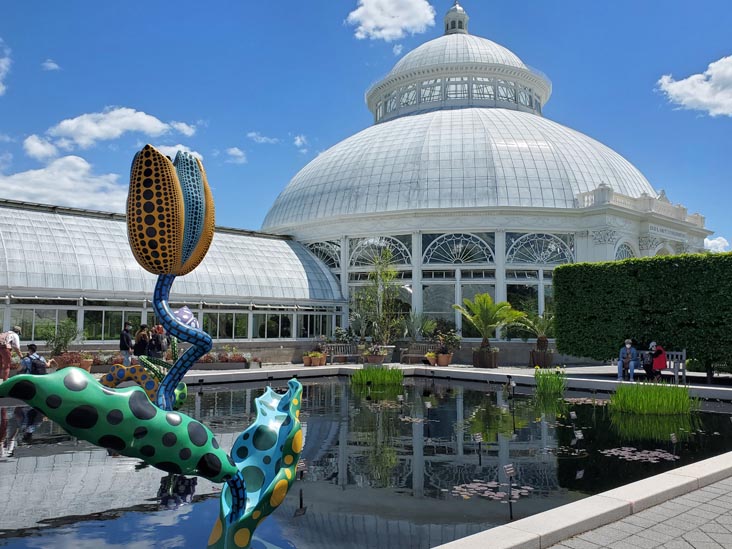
column 550, row 383
column 378, row 377
column 653, row 398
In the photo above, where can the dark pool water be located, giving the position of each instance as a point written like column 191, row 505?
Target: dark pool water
column 414, row 467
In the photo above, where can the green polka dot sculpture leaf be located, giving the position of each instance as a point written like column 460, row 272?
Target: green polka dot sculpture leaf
column 124, row 420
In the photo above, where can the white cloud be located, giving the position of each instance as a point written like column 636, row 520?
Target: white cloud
column 391, row 19
column 301, row 143
column 186, row 129
column 718, row 244
column 39, row 148
column 171, row 150
column 259, row 138
column 236, row 155
column 87, row 129
column 6, row 159
column 710, row 91
column 61, row 183
column 397, row 49
column 5, row 63
column 5, row 138
column 50, row 65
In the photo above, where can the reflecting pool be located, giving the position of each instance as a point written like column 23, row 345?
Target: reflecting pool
column 416, row 466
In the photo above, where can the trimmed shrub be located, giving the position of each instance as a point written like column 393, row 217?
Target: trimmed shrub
column 682, row 302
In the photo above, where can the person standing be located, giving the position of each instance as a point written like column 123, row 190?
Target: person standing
column 142, row 341
column 627, row 361
column 125, row 344
column 10, row 341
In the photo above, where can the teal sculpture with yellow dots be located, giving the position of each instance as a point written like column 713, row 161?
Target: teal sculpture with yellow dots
column 170, row 222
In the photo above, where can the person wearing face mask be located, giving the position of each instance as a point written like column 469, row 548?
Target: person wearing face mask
column 657, row 356
column 627, row 361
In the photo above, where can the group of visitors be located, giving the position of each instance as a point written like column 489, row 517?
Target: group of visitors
column 152, row 342
column 654, row 361
column 30, row 363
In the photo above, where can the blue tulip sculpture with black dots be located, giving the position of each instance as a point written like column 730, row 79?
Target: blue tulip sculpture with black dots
column 170, row 222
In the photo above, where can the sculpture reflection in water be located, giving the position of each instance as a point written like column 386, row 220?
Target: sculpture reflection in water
column 170, row 217
column 176, row 490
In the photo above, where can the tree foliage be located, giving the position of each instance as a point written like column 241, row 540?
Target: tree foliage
column 487, row 316
column 681, row 302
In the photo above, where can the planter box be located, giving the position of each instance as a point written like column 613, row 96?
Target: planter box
column 485, row 358
column 375, row 359
column 542, row 359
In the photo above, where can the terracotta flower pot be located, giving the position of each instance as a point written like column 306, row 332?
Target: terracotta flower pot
column 307, row 361
column 86, row 364
column 375, row 359
column 444, row 359
column 431, row 359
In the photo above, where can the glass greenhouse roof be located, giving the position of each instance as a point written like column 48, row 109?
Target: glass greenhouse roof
column 59, row 250
column 457, row 158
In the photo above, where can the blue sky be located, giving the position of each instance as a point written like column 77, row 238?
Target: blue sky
column 259, row 89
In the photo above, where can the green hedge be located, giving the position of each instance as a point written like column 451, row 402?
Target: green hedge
column 682, row 302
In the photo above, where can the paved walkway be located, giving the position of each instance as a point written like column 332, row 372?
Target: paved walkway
column 698, row 520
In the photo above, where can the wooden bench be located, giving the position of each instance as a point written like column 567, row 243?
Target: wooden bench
column 416, row 351
column 346, row 350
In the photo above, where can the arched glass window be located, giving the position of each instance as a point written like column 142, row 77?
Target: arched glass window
column 460, row 24
column 541, row 248
column 452, row 24
column 328, row 252
column 624, row 251
column 368, row 249
column 458, row 248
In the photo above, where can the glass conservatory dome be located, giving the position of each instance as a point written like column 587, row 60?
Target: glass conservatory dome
column 458, row 124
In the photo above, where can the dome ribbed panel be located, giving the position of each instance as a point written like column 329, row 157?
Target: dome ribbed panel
column 462, row 158
column 456, row 49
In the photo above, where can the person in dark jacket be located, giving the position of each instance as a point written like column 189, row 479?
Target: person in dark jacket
column 657, row 363
column 142, row 341
column 125, row 344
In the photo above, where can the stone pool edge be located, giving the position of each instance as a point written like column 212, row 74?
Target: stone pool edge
column 550, row 527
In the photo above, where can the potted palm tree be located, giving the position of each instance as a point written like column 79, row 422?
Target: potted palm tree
column 542, row 328
column 486, row 316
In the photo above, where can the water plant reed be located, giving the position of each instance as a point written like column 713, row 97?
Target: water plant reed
column 653, row 398
column 378, row 377
column 549, row 383
column 653, row 427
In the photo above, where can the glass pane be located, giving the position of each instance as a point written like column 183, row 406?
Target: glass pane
column 241, row 325
column 22, row 318
column 45, row 325
column 548, row 299
column 286, row 326
column 523, row 298
column 133, row 318
column 306, row 326
column 93, row 325
column 259, row 325
column 210, row 324
column 112, row 324
column 63, row 314
column 438, row 298
column 226, row 325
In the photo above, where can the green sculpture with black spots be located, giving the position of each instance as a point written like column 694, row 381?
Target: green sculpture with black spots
column 124, row 420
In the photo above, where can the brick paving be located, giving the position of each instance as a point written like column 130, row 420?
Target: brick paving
column 698, row 520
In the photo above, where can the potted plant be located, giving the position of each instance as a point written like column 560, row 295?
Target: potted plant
column 375, row 354
column 306, row 360
column 542, row 328
column 431, row 357
column 316, row 358
column 449, row 340
column 486, row 316
column 86, row 360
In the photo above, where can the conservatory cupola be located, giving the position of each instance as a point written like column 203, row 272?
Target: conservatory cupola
column 456, row 20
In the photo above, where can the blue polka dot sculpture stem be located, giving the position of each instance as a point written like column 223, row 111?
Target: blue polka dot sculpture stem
column 201, row 342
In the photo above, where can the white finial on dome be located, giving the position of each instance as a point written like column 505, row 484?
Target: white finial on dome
column 456, row 20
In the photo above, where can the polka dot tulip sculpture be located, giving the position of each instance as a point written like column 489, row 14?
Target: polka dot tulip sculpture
column 170, row 224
